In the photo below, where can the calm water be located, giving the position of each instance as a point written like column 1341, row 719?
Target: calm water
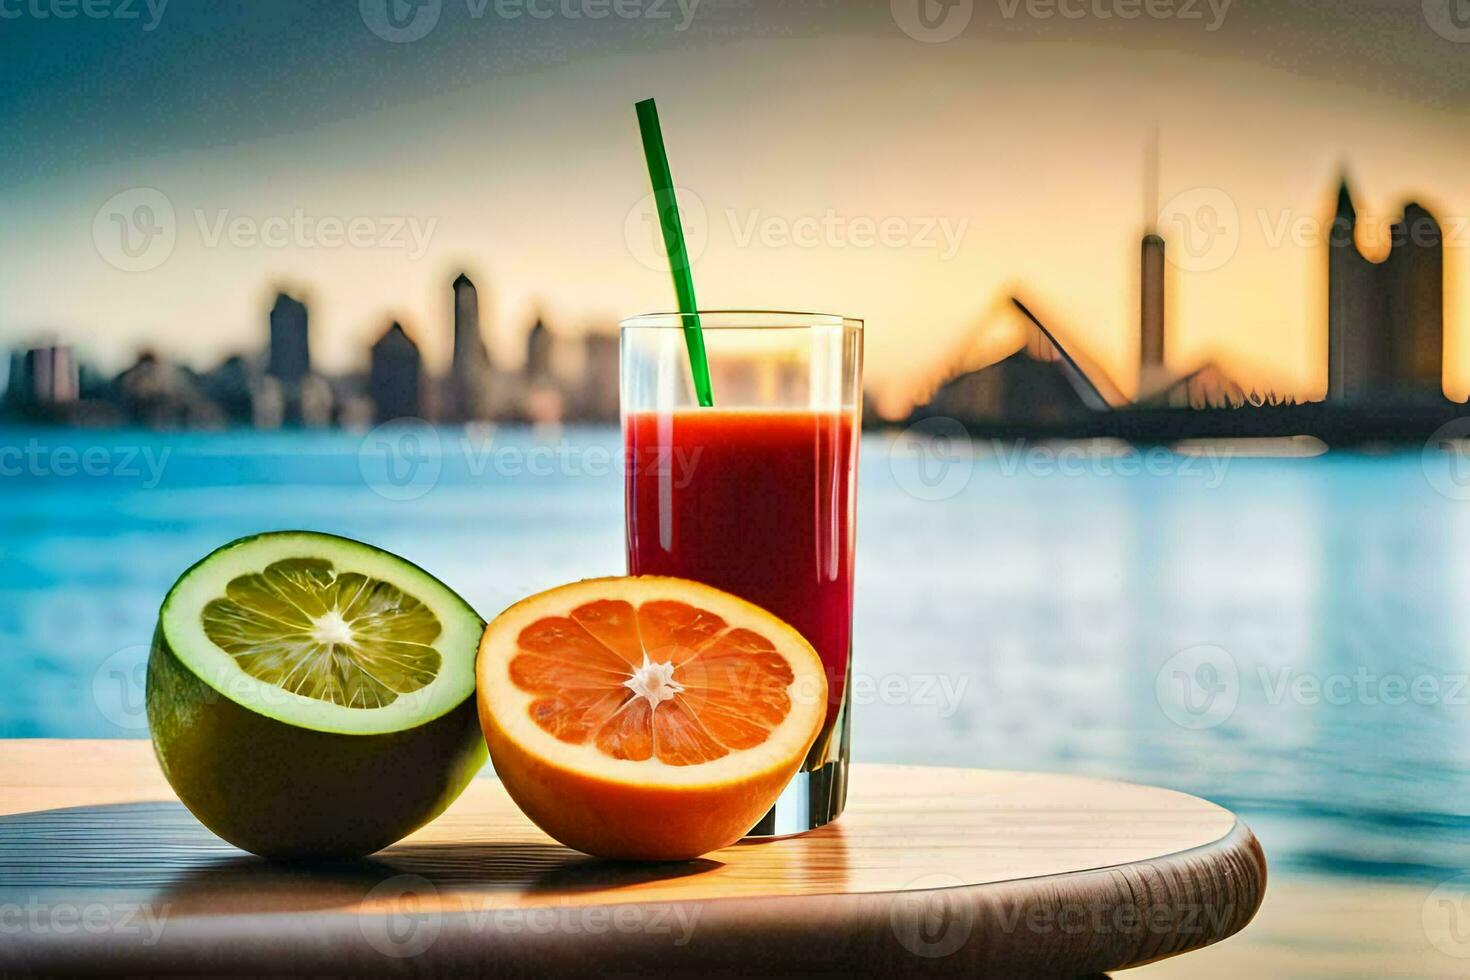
column 1285, row 636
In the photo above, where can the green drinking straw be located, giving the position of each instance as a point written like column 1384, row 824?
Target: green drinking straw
column 673, row 229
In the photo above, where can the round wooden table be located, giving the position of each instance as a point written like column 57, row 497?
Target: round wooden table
column 930, row 871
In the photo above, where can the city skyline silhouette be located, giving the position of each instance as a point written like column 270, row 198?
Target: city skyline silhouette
column 510, row 146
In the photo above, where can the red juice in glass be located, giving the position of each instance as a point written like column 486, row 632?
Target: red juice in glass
column 758, row 502
column 757, row 494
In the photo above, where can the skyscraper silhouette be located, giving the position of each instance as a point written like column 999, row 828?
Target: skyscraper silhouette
column 1413, row 277
column 395, row 378
column 1356, row 346
column 1385, row 323
column 17, row 388
column 1151, row 303
column 470, row 369
column 599, row 389
column 538, row 353
column 48, row 376
column 290, row 351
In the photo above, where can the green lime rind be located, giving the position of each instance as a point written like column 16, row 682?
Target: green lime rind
column 292, row 789
column 291, row 793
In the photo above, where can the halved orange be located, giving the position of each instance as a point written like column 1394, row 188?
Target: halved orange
column 646, row 717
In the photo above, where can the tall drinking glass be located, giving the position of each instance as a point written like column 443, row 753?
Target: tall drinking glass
column 757, row 495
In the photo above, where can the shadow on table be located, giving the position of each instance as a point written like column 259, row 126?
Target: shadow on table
column 160, row 851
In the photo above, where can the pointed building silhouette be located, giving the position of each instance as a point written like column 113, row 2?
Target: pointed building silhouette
column 1356, row 345
column 1013, row 369
column 395, row 378
column 470, row 370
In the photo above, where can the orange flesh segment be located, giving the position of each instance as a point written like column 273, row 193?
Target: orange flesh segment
column 674, row 631
column 724, row 689
column 629, row 734
column 615, row 625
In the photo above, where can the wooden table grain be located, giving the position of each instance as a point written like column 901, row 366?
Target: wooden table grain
column 945, row 871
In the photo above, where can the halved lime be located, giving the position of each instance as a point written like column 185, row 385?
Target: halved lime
column 311, row 696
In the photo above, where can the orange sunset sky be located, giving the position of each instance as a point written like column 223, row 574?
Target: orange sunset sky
column 833, row 162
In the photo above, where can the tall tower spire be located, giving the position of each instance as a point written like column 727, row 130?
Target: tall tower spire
column 1151, row 181
column 1151, row 271
column 1345, row 218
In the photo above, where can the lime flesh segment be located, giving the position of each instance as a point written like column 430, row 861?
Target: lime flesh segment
column 325, row 633
column 339, row 637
